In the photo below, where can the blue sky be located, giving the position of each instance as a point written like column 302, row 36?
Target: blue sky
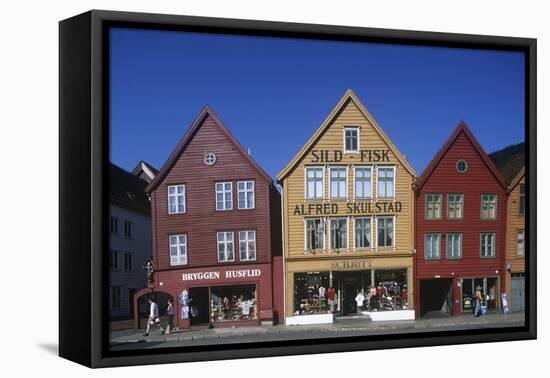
column 273, row 93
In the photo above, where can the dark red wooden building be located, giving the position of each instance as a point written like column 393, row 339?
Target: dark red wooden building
column 216, row 231
column 460, row 228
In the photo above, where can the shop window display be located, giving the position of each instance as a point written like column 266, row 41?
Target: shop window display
column 389, row 291
column 489, row 291
column 312, row 293
column 233, row 303
column 351, row 292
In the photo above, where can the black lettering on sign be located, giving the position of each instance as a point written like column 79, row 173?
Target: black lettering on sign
column 315, row 156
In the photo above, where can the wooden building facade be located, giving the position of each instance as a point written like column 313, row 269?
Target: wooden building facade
column 515, row 243
column 461, row 211
column 348, row 207
column 216, row 226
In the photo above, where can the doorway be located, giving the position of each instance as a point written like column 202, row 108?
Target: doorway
column 518, row 292
column 199, row 299
column 489, row 290
column 436, row 297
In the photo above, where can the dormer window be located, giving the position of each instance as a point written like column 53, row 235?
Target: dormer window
column 351, row 139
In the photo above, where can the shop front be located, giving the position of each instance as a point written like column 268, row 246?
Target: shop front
column 341, row 288
column 228, row 296
column 490, row 292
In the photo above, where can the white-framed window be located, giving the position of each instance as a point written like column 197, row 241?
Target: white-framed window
column 338, row 182
column 128, row 262
column 461, row 166
column 386, row 182
column 114, row 260
column 363, row 182
column 128, row 229
column 247, row 245
column 178, row 249
column 363, row 232
column 315, row 234
column 176, row 199
column 487, row 244
column 351, row 139
column 114, row 225
column 522, row 199
column 314, row 182
column 338, row 233
column 433, row 205
column 115, row 297
column 432, row 246
column 209, row 158
column 521, row 242
column 385, row 232
column 455, row 205
column 245, row 194
column 226, row 247
column 224, row 195
column 454, row 246
column 488, row 206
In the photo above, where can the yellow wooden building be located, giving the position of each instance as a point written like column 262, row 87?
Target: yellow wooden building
column 515, row 243
column 348, row 222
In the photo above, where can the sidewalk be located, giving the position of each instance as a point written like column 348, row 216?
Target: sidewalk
column 133, row 339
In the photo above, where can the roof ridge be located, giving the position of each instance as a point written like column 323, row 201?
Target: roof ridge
column 461, row 127
column 188, row 137
column 349, row 95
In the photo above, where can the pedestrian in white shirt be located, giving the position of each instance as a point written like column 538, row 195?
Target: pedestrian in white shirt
column 359, row 299
column 153, row 317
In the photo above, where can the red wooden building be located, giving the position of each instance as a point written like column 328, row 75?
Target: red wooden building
column 460, row 228
column 216, row 231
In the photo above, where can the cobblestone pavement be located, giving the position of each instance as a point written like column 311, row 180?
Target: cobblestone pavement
column 134, row 339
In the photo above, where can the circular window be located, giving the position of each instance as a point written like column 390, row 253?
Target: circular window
column 209, row 158
column 461, row 166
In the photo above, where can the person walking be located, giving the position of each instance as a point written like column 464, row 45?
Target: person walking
column 153, row 317
column 359, row 299
column 477, row 298
column 169, row 316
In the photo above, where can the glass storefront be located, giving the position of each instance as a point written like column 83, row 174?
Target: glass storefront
column 489, row 290
column 350, row 292
column 311, row 293
column 233, row 303
column 391, row 290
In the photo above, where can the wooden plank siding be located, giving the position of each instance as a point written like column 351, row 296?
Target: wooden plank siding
column 330, row 137
column 201, row 221
column 515, row 223
column 444, row 178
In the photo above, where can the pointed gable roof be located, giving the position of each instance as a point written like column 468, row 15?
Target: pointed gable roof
column 517, row 179
column 348, row 96
column 188, row 137
column 461, row 128
column 146, row 168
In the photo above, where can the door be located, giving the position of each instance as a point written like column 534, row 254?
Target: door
column 518, row 294
column 199, row 303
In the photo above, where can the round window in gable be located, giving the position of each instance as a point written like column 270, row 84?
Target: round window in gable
column 209, row 158
column 461, row 166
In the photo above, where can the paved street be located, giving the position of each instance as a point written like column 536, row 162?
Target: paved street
column 134, row 339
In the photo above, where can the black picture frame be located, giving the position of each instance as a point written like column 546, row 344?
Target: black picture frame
column 83, row 180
